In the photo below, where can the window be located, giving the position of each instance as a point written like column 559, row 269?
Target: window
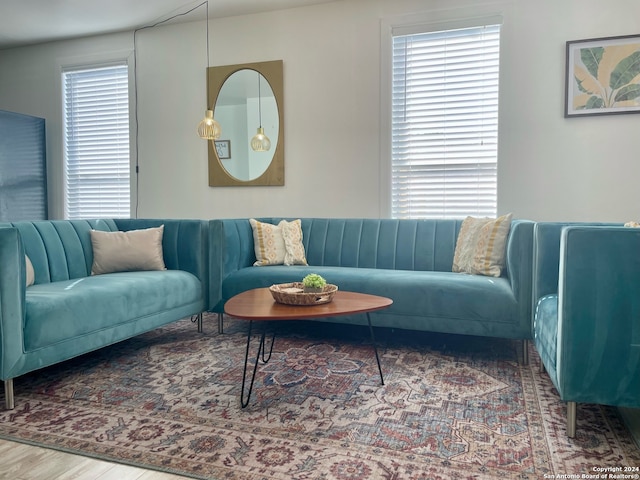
column 444, row 127
column 96, row 142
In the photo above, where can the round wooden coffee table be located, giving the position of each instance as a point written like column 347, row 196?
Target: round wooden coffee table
column 259, row 305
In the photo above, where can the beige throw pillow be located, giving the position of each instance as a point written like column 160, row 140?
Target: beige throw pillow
column 278, row 244
column 294, row 249
column 268, row 243
column 127, row 251
column 481, row 244
column 31, row 275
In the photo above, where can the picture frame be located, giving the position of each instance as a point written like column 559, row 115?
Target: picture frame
column 602, row 76
column 223, row 149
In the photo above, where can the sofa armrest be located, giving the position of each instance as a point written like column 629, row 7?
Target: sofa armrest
column 185, row 245
column 230, row 249
column 546, row 258
column 216, row 263
column 12, row 299
column 519, row 265
column 598, row 344
column 546, row 255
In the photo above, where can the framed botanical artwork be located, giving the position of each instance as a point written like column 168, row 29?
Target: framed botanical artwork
column 603, row 76
column 223, row 148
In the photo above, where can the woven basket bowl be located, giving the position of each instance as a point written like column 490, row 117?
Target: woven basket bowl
column 293, row 294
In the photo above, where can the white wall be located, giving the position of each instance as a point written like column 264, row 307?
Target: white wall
column 550, row 168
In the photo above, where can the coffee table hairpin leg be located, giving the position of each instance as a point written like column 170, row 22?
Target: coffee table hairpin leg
column 375, row 348
column 261, row 350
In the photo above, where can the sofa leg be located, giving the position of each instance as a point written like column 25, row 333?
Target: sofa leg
column 571, row 419
column 542, row 369
column 220, row 323
column 200, row 322
column 525, row 352
column 8, row 394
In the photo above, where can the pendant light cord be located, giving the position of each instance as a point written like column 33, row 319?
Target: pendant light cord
column 259, row 101
column 208, row 63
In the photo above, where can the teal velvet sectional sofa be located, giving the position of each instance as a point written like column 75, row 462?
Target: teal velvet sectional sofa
column 587, row 314
column 68, row 311
column 409, row 261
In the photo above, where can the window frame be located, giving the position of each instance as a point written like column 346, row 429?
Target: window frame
column 120, row 58
column 404, row 25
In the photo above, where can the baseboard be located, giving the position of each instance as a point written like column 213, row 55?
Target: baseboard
column 631, row 417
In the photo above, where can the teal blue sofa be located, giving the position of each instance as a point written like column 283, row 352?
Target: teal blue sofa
column 587, row 313
column 68, row 312
column 409, row 261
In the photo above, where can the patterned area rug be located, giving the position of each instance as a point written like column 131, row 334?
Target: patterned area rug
column 451, row 407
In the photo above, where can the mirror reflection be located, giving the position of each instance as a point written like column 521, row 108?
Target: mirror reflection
column 247, row 102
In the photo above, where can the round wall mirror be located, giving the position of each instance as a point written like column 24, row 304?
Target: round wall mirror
column 248, row 101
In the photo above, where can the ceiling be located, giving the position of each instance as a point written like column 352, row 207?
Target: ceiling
column 24, row 22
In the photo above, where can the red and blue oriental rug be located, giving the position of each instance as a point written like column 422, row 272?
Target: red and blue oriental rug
column 452, row 407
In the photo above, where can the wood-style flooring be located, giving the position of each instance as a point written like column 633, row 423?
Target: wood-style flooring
column 19, row 461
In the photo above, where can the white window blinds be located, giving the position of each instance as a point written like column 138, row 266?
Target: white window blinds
column 445, row 123
column 96, row 142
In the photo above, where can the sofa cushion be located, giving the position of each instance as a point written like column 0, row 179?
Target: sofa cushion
column 546, row 331
column 419, row 294
column 127, row 251
column 62, row 310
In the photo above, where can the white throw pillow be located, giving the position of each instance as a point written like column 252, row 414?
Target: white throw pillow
column 278, row 244
column 127, row 251
column 481, row 244
column 31, row 274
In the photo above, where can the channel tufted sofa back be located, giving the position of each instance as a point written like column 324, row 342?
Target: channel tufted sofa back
column 59, row 249
column 364, row 243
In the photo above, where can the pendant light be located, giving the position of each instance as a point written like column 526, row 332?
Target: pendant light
column 208, row 128
column 260, row 142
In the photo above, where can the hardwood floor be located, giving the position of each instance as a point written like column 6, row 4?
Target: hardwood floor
column 19, row 461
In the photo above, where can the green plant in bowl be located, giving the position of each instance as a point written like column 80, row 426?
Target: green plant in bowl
column 313, row 283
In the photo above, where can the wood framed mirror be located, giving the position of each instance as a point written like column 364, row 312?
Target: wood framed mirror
column 245, row 98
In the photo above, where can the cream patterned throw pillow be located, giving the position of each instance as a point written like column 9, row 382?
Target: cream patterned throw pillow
column 294, row 249
column 278, row 244
column 268, row 243
column 481, row 244
column 127, row 251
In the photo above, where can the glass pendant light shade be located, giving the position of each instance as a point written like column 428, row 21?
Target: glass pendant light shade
column 260, row 142
column 209, row 128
